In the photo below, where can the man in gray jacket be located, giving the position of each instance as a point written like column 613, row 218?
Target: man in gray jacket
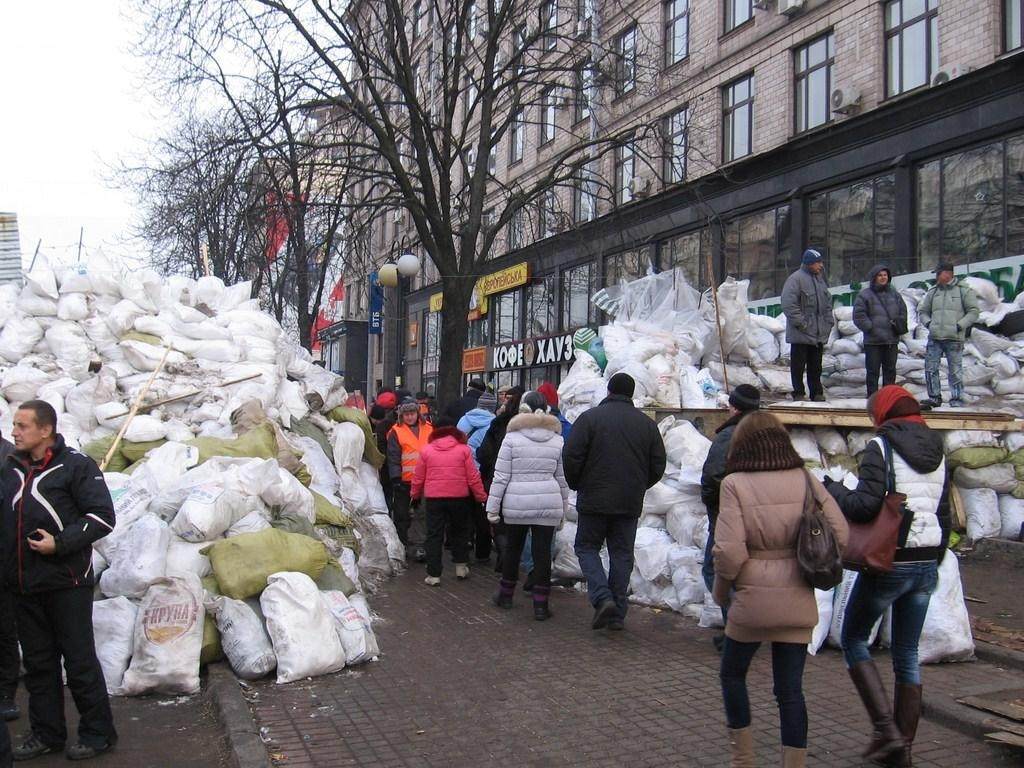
column 948, row 311
column 807, row 304
column 880, row 313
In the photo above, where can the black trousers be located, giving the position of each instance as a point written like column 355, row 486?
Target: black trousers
column 10, row 659
column 6, row 757
column 58, row 624
column 481, row 531
column 452, row 514
column 880, row 357
column 806, row 357
column 515, row 540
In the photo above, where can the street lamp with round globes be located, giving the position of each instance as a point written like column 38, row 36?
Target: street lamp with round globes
column 408, row 264
column 387, row 276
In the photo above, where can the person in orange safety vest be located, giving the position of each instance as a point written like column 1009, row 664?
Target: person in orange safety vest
column 405, row 441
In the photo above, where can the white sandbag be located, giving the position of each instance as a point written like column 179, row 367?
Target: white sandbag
column 19, row 335
column 288, row 494
column 113, row 627
column 8, row 302
column 73, row 306
column 806, row 445
column 1004, row 365
column 31, row 303
column 565, row 564
column 22, row 382
column 650, row 554
column 684, row 446
column 1000, row 478
column 185, row 557
column 252, row 522
column 684, row 519
column 145, row 429
column 146, row 357
column 386, row 527
column 207, row 512
column 986, row 291
column 301, row 628
column 1011, row 386
column 243, row 637
column 710, row 614
column 830, row 441
column 981, row 506
column 857, row 441
column 843, row 591
column 821, row 629
column 349, row 562
column 988, row 343
column 81, row 400
column 1011, row 515
column 353, row 628
column 946, row 635
column 168, row 639
column 121, row 318
column 42, row 279
column 139, row 561
column 955, row 439
column 774, row 379
column 845, row 347
column 655, row 594
column 370, row 480
column 349, row 442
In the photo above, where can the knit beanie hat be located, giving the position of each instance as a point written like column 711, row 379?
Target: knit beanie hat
column 944, row 266
column 387, row 400
column 550, row 393
column 745, row 398
column 488, row 401
column 811, row 256
column 409, row 405
column 621, row 384
column 477, row 385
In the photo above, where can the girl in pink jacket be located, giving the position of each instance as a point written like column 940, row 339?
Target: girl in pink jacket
column 447, row 479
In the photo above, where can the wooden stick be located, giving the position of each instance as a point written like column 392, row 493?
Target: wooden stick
column 133, row 411
column 718, row 321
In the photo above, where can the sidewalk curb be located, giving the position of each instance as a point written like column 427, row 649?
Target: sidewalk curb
column 944, row 710
column 242, row 733
column 999, row 656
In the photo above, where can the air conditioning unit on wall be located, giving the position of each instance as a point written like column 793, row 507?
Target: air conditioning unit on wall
column 949, row 72
column 845, row 99
column 790, row 7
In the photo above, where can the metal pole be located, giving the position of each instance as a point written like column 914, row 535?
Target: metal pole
column 81, row 235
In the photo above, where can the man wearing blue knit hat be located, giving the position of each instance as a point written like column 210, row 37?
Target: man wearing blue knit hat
column 807, row 304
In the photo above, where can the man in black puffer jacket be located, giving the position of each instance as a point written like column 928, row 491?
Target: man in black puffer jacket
column 881, row 314
column 55, row 505
column 613, row 455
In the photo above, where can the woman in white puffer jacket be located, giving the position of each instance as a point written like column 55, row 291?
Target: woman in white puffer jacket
column 530, row 493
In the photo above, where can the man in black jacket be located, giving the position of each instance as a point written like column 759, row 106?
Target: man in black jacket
column 743, row 399
column 55, row 505
column 613, row 455
column 10, row 658
column 881, row 314
column 459, row 408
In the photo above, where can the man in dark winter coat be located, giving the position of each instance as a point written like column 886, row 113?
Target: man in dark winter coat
column 881, row 314
column 55, row 505
column 613, row 455
column 744, row 399
column 487, row 455
column 10, row 658
column 807, row 304
column 459, row 408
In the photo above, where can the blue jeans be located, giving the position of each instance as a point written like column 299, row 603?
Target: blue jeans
column 954, row 353
column 592, row 532
column 707, row 568
column 908, row 589
column 788, row 673
column 527, row 559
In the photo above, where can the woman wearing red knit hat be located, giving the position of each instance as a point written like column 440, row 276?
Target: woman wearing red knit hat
column 908, row 455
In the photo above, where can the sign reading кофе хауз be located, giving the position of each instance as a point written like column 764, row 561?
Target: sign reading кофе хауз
column 548, row 350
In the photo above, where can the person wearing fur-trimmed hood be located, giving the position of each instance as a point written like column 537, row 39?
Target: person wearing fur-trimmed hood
column 530, row 492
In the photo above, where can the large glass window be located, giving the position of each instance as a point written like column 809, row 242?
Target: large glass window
column 549, row 23
column 677, row 30
column 585, row 194
column 584, row 79
column 507, row 310
column 517, row 138
column 970, row 205
column 814, row 63
column 855, row 228
column 757, row 248
column 542, row 308
column 1013, row 24
column 625, row 57
column 690, row 253
column 577, row 288
column 550, row 214
column 431, row 341
column 519, row 230
column 478, row 333
column 911, row 44
column 547, row 115
column 625, row 266
column 738, row 118
column 738, row 12
column 674, row 136
column 625, row 172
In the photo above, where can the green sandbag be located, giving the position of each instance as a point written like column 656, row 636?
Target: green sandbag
column 976, row 457
column 258, row 443
column 371, row 453
column 1017, row 458
column 145, row 338
column 1018, row 492
column 292, row 523
column 1018, row 470
column 242, row 563
column 97, row 451
column 306, row 428
column 134, row 452
column 341, row 534
column 335, row 578
column 210, row 585
column 328, row 514
column 212, row 650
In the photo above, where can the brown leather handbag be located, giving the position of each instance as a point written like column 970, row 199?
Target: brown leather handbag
column 872, row 546
column 817, row 551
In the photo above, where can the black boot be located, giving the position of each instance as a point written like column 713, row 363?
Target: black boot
column 9, row 710
column 887, row 741
column 528, row 584
column 541, row 606
column 503, row 597
column 603, row 613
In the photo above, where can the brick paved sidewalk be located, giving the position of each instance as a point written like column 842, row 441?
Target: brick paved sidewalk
column 462, row 683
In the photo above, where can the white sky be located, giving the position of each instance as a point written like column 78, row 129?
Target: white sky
column 71, row 105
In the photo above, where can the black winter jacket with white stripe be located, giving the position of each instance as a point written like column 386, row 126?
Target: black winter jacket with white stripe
column 65, row 495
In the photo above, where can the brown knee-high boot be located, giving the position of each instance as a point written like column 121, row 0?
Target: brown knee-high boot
column 907, row 714
column 887, row 741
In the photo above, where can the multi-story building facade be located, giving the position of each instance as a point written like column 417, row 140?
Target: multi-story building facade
column 875, row 131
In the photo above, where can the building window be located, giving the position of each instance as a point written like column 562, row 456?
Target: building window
column 738, row 118
column 911, row 44
column 471, row 21
column 814, row 63
column 547, row 115
column 585, row 9
column 507, row 310
column 417, row 19
column 519, row 50
column 541, row 308
column 674, row 136
column 677, row 30
column 855, row 228
column 737, row 13
column 585, row 203
column 584, row 80
column 577, row 288
column 757, row 249
column 478, row 334
column 970, row 205
column 518, row 229
column 625, row 172
column 625, row 266
column 625, row 61
column 549, row 24
column 431, row 341
column 1013, row 24
column 688, row 252
column 549, row 214
column 517, row 138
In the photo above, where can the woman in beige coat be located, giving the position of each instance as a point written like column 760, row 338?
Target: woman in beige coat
column 758, row 578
